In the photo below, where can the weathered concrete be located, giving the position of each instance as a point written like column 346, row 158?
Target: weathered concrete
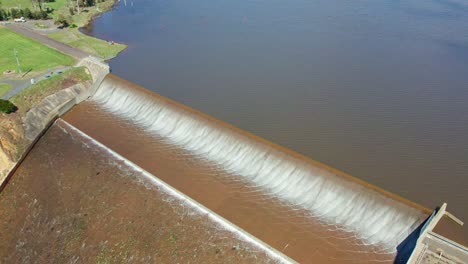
column 59, row 103
column 98, row 70
column 435, row 248
column 39, row 118
column 51, row 107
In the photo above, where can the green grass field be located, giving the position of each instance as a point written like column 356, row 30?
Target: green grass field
column 72, row 36
column 98, row 47
column 29, row 97
column 4, row 88
column 32, row 55
column 21, row 4
column 75, row 38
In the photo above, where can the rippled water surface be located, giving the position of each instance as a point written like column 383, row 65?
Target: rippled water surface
column 378, row 89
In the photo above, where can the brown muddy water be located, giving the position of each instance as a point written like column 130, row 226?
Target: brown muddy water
column 299, row 207
column 72, row 202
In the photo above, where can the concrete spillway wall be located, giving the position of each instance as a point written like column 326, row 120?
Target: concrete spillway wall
column 372, row 215
column 39, row 117
column 59, row 103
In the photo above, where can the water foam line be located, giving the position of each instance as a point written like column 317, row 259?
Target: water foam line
column 374, row 218
column 166, row 188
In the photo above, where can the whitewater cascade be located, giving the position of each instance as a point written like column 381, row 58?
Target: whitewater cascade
column 374, row 217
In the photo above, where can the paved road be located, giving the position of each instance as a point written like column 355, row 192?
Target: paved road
column 19, row 85
column 48, row 41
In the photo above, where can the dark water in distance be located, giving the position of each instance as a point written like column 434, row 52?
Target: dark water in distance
column 378, row 89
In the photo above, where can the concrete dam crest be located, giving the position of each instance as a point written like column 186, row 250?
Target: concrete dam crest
column 286, row 200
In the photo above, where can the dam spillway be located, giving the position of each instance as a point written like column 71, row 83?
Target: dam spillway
column 302, row 208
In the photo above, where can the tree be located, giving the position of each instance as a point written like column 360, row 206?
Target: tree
column 3, row 15
column 27, row 13
column 15, row 13
column 7, row 106
column 63, row 21
column 34, row 4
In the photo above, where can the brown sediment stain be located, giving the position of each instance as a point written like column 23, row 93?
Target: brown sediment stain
column 72, row 202
column 294, row 232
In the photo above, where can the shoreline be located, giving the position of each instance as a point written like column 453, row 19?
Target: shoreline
column 91, row 20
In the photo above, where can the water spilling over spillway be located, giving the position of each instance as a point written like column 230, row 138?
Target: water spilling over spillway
column 310, row 212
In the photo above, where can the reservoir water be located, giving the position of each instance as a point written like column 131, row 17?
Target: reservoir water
column 378, row 89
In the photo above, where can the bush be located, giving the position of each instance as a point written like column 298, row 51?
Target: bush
column 39, row 15
column 15, row 13
column 90, row 2
column 63, row 21
column 72, row 11
column 7, row 106
column 27, row 13
column 44, row 14
column 3, row 15
column 73, row 26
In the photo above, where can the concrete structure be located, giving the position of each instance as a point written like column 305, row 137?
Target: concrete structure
column 40, row 117
column 435, row 248
column 55, row 105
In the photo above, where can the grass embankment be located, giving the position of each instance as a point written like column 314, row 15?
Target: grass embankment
column 72, row 36
column 34, row 94
column 12, row 137
column 32, row 55
column 4, row 88
column 98, row 47
column 21, row 4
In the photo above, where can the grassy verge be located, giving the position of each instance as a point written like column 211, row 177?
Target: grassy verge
column 74, row 38
column 20, row 4
column 98, row 47
column 32, row 55
column 34, row 94
column 11, row 129
column 4, row 88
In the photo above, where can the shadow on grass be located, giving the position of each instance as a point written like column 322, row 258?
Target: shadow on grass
column 26, row 72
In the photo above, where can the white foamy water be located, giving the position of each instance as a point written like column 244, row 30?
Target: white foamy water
column 373, row 217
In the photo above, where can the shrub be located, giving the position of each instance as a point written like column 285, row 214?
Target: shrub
column 7, row 106
column 40, row 15
column 3, row 15
column 90, row 2
column 63, row 21
column 72, row 11
column 27, row 13
column 44, row 14
column 15, row 13
column 73, row 25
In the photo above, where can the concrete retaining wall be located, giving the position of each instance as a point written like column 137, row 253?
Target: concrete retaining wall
column 57, row 104
column 98, row 70
column 40, row 117
column 51, row 107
